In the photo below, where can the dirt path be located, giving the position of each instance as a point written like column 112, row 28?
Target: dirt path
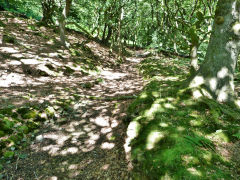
column 86, row 140
column 87, row 145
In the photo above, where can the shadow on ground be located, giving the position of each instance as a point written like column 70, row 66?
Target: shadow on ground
column 70, row 99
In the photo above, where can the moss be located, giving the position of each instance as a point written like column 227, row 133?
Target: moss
column 177, row 136
column 8, row 154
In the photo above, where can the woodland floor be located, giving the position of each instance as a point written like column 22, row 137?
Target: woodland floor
column 82, row 96
column 87, row 141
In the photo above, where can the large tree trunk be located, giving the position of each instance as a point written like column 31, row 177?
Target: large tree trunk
column 215, row 78
column 62, row 23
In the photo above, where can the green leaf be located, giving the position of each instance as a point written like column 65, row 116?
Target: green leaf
column 8, row 154
column 237, row 135
column 22, row 156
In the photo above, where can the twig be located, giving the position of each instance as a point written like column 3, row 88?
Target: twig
column 35, row 174
column 17, row 163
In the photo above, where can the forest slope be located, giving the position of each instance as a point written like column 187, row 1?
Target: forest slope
column 61, row 110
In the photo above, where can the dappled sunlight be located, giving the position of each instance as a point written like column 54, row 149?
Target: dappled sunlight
column 9, row 50
column 107, row 145
column 176, row 136
column 7, row 80
column 79, row 96
column 194, row 171
column 112, row 75
column 153, row 138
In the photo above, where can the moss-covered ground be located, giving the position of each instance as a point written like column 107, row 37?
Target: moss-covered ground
column 172, row 136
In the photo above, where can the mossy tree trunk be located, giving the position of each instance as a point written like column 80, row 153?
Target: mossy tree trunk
column 215, row 77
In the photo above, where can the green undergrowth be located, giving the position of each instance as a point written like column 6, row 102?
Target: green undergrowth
column 173, row 136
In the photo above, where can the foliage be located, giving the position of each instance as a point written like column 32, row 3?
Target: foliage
column 162, row 27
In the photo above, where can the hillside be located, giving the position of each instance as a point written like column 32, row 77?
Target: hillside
column 80, row 113
column 77, row 98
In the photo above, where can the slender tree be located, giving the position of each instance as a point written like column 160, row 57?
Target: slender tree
column 62, row 22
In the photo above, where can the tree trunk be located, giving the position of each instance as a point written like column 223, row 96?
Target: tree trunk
column 215, row 77
column 62, row 22
column 48, row 8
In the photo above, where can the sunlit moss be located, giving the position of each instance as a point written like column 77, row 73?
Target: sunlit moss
column 163, row 124
column 194, row 171
column 196, row 122
column 219, row 136
column 207, row 156
column 153, row 138
column 190, row 160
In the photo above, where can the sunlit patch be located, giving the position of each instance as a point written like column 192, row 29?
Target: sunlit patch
column 62, row 139
column 163, row 124
column 222, row 94
column 101, row 121
column 105, row 167
column 236, row 28
column 153, row 138
column 70, row 129
column 7, row 80
column 169, row 106
column 194, row 171
column 197, row 94
column 218, row 136
column 106, row 130
column 156, row 94
column 222, row 73
column 73, row 167
column 52, row 149
column 143, row 95
column 17, row 55
column 190, row 159
column 207, row 156
column 155, row 108
column 53, row 178
column 237, row 103
column 30, row 61
column 8, row 50
column 195, row 123
column 112, row 75
column 114, row 123
column 71, row 150
column 213, row 84
column 197, row 81
column 14, row 62
column 87, row 149
column 180, row 128
column 107, row 145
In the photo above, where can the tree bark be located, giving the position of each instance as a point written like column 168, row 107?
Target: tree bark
column 62, row 22
column 48, row 8
column 215, row 77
